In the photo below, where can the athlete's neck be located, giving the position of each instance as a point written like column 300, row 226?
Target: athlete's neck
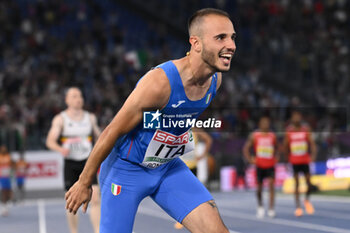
column 200, row 72
column 195, row 83
column 297, row 126
column 75, row 113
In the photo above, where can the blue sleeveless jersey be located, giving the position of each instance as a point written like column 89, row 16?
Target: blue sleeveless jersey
column 154, row 147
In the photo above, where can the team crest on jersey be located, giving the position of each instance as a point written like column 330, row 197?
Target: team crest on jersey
column 116, row 189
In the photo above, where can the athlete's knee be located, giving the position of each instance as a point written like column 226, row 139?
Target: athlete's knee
column 224, row 230
column 220, row 228
column 296, row 182
column 205, row 219
column 213, row 229
column 296, row 185
column 217, row 225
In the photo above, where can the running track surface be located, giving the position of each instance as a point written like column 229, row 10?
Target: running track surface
column 237, row 210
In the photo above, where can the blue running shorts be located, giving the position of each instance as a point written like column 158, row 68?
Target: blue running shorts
column 20, row 181
column 124, row 185
column 5, row 183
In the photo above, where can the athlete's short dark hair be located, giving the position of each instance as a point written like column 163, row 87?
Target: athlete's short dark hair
column 72, row 87
column 264, row 116
column 198, row 15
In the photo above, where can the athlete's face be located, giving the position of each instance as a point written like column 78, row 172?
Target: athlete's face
column 264, row 124
column 3, row 150
column 218, row 42
column 74, row 98
column 296, row 118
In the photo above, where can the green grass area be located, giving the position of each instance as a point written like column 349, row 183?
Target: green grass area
column 343, row 193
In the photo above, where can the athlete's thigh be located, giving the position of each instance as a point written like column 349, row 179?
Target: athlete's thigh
column 118, row 209
column 305, row 168
column 259, row 175
column 123, row 186
column 307, row 174
column 296, row 177
column 271, row 172
column 180, row 191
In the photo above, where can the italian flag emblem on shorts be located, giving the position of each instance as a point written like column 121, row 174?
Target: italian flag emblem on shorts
column 116, row 189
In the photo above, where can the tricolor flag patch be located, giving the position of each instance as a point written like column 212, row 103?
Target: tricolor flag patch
column 208, row 98
column 116, row 189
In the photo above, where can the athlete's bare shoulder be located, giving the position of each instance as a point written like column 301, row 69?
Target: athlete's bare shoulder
column 95, row 128
column 158, row 76
column 92, row 116
column 57, row 120
column 56, row 128
column 154, row 86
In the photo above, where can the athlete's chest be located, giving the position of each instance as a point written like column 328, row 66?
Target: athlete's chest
column 5, row 160
column 297, row 136
column 264, row 141
column 196, row 92
column 77, row 128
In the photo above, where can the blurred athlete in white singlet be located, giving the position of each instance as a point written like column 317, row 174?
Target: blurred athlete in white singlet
column 71, row 134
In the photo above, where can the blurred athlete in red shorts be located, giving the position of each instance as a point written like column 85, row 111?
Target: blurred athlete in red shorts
column 264, row 142
column 301, row 149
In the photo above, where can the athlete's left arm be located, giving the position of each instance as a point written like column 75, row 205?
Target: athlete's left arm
column 246, row 149
column 96, row 130
column 218, row 83
column 313, row 146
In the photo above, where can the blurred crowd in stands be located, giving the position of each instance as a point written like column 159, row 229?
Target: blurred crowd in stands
column 289, row 54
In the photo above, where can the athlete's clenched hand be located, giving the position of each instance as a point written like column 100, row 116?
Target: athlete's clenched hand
column 77, row 195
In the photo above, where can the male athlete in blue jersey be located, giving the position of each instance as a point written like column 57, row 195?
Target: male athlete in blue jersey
column 139, row 162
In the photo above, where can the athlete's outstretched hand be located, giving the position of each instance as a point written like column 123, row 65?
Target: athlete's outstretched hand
column 78, row 195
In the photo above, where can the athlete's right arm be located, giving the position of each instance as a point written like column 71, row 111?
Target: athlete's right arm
column 246, row 149
column 152, row 92
column 54, row 133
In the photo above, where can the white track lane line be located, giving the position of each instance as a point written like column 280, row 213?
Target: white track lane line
column 153, row 213
column 316, row 198
column 284, row 222
column 42, row 217
column 48, row 201
column 320, row 212
column 288, row 209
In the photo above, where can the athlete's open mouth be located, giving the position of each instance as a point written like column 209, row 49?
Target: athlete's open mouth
column 226, row 57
